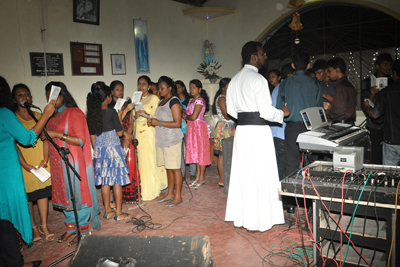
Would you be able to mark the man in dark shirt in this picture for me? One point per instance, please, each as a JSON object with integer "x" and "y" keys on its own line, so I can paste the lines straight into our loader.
{"x": 383, "y": 64}
{"x": 343, "y": 108}
{"x": 386, "y": 103}
{"x": 297, "y": 92}
{"x": 321, "y": 73}
{"x": 278, "y": 132}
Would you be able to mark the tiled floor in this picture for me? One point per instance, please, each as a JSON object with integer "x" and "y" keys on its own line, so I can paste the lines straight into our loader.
{"x": 201, "y": 214}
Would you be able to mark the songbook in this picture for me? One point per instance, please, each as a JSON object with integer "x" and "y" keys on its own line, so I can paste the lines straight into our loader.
{"x": 137, "y": 96}
{"x": 381, "y": 82}
{"x": 55, "y": 91}
{"x": 120, "y": 103}
{"x": 41, "y": 174}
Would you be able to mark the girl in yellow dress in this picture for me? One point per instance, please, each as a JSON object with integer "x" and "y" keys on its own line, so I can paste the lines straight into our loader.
{"x": 153, "y": 179}
{"x": 30, "y": 157}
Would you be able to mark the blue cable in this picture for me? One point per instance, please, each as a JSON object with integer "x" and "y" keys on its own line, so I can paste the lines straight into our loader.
{"x": 295, "y": 191}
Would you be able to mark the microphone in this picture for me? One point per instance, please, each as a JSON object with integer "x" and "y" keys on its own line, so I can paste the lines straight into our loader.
{"x": 129, "y": 100}
{"x": 28, "y": 105}
{"x": 135, "y": 142}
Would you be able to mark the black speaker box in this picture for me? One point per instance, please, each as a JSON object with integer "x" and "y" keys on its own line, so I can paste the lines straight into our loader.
{"x": 148, "y": 251}
{"x": 227, "y": 148}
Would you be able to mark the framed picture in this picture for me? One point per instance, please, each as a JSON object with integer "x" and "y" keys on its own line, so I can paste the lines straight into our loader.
{"x": 118, "y": 64}
{"x": 87, "y": 11}
{"x": 141, "y": 46}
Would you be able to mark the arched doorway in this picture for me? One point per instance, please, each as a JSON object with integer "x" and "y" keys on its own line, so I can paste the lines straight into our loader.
{"x": 355, "y": 31}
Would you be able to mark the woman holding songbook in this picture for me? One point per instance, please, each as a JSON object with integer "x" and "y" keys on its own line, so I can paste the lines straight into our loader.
{"x": 32, "y": 157}
{"x": 153, "y": 179}
{"x": 108, "y": 155}
{"x": 14, "y": 211}
{"x": 169, "y": 139}
{"x": 68, "y": 128}
{"x": 130, "y": 191}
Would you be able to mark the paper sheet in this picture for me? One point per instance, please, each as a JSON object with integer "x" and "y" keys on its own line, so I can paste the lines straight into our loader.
{"x": 55, "y": 91}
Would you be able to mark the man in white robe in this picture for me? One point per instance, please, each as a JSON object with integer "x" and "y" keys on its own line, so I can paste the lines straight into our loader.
{"x": 253, "y": 199}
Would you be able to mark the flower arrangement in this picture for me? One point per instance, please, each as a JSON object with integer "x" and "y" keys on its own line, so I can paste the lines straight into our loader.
{"x": 209, "y": 71}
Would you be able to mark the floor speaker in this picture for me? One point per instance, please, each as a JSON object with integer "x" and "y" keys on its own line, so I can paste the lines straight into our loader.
{"x": 227, "y": 148}
{"x": 177, "y": 251}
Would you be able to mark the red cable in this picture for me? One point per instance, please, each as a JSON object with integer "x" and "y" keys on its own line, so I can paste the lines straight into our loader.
{"x": 308, "y": 223}
{"x": 333, "y": 218}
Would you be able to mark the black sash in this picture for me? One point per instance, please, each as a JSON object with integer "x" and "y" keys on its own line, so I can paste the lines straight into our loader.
{"x": 253, "y": 118}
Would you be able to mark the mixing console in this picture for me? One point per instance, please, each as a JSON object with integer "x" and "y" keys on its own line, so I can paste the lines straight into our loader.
{"x": 381, "y": 181}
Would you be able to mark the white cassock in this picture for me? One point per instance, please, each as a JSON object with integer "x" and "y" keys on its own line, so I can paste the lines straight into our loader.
{"x": 253, "y": 197}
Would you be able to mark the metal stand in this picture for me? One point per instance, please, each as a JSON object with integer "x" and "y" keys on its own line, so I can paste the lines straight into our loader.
{"x": 64, "y": 155}
{"x": 135, "y": 143}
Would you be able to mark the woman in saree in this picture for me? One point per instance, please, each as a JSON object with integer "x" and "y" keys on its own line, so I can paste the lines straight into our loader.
{"x": 68, "y": 128}
{"x": 153, "y": 179}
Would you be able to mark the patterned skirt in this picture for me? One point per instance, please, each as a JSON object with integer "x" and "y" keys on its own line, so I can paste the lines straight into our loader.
{"x": 222, "y": 130}
{"x": 109, "y": 160}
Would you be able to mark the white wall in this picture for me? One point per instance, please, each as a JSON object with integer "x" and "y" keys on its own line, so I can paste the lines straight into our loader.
{"x": 175, "y": 41}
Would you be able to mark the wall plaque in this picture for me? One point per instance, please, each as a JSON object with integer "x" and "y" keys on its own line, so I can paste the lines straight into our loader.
{"x": 54, "y": 64}
{"x": 86, "y": 59}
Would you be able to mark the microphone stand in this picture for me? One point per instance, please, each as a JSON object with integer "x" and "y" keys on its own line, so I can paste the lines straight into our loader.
{"x": 135, "y": 143}
{"x": 64, "y": 155}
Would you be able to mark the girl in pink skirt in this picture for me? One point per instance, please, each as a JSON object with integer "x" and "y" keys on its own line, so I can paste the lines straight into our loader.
{"x": 198, "y": 132}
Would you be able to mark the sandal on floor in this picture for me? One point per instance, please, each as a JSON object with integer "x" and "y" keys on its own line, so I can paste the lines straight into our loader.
{"x": 48, "y": 237}
{"x": 193, "y": 184}
{"x": 105, "y": 215}
{"x": 126, "y": 216}
{"x": 62, "y": 238}
{"x": 73, "y": 242}
{"x": 115, "y": 206}
{"x": 198, "y": 185}
{"x": 39, "y": 239}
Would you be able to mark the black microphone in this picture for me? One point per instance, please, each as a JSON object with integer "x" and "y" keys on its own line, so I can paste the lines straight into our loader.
{"x": 28, "y": 105}
{"x": 135, "y": 142}
{"x": 129, "y": 100}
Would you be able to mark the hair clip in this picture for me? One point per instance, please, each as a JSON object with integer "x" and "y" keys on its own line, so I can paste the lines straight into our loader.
{"x": 98, "y": 86}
